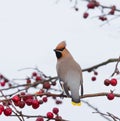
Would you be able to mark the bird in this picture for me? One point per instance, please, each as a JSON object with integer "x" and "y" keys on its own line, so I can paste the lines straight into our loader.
{"x": 69, "y": 73}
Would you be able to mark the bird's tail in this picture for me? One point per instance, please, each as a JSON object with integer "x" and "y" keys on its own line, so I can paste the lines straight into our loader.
{"x": 76, "y": 104}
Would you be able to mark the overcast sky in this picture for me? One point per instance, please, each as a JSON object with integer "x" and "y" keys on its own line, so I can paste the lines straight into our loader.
{"x": 30, "y": 30}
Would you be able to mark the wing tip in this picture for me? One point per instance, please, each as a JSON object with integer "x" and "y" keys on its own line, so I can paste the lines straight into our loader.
{"x": 76, "y": 104}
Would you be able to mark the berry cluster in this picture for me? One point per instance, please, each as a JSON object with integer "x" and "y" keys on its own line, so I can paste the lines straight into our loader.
{"x": 50, "y": 115}
{"x": 37, "y": 79}
{"x": 55, "y": 112}
{"x": 22, "y": 97}
{"x": 112, "y": 82}
{"x": 7, "y": 111}
{"x": 92, "y": 4}
{"x": 94, "y": 77}
{"x": 107, "y": 82}
{"x": 27, "y": 99}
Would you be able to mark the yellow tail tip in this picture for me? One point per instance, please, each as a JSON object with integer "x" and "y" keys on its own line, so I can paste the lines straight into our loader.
{"x": 76, "y": 104}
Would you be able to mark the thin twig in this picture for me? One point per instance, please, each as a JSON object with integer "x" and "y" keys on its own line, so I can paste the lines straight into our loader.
{"x": 116, "y": 71}
{"x": 113, "y": 116}
{"x": 97, "y": 110}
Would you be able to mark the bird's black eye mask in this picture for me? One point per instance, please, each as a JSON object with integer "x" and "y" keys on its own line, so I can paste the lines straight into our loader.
{"x": 58, "y": 52}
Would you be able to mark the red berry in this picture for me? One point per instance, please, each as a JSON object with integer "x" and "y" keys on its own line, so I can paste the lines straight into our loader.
{"x": 46, "y": 85}
{"x": 16, "y": 98}
{"x": 1, "y": 76}
{"x": 2, "y": 83}
{"x": 28, "y": 81}
{"x": 55, "y": 110}
{"x": 44, "y": 99}
{"x": 29, "y": 102}
{"x": 113, "y": 7}
{"x": 93, "y": 78}
{"x": 102, "y": 18}
{"x": 38, "y": 78}
{"x": 1, "y": 112}
{"x": 35, "y": 104}
{"x": 91, "y": 5}
{"x": 8, "y": 111}
{"x": 58, "y": 102}
{"x": 113, "y": 82}
{"x": 110, "y": 96}
{"x": 85, "y": 15}
{"x": 21, "y": 104}
{"x": 34, "y": 74}
{"x": 107, "y": 82}
{"x": 40, "y": 119}
{"x": 6, "y": 80}
{"x": 1, "y": 107}
{"x": 50, "y": 115}
{"x": 112, "y": 11}
{"x": 27, "y": 96}
{"x": 95, "y": 73}
{"x": 89, "y": 70}
{"x": 16, "y": 103}
{"x": 9, "y": 84}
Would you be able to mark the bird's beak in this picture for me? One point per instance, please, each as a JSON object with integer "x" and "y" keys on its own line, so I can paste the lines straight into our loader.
{"x": 54, "y": 50}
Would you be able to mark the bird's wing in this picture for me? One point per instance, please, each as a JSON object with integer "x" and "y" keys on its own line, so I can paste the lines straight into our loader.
{"x": 65, "y": 88}
{"x": 82, "y": 90}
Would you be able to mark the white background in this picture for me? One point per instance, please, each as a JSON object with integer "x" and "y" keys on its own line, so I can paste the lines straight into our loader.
{"x": 30, "y": 30}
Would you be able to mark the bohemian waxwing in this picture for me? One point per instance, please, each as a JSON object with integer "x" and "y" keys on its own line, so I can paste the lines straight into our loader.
{"x": 69, "y": 72}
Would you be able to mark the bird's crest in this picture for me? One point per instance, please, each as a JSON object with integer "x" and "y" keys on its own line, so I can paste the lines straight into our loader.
{"x": 61, "y": 45}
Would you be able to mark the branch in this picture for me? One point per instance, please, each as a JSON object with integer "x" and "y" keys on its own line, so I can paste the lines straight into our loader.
{"x": 48, "y": 94}
{"x": 101, "y": 64}
{"x": 106, "y": 11}
{"x": 35, "y": 116}
{"x": 109, "y": 7}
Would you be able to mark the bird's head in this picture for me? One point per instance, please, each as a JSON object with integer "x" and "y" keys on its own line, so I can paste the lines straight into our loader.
{"x": 61, "y": 50}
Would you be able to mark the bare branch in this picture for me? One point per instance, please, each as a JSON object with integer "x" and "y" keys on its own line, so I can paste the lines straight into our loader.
{"x": 48, "y": 94}
{"x": 35, "y": 116}
{"x": 115, "y": 118}
{"x": 97, "y": 110}
{"x": 112, "y": 60}
{"x": 116, "y": 71}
